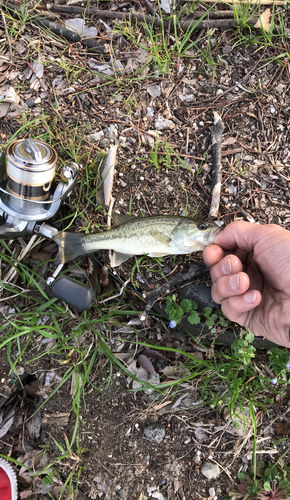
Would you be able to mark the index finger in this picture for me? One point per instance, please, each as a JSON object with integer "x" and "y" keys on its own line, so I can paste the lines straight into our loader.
{"x": 244, "y": 235}
{"x": 212, "y": 254}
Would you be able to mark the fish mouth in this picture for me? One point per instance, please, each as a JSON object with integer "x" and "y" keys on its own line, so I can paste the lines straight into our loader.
{"x": 212, "y": 233}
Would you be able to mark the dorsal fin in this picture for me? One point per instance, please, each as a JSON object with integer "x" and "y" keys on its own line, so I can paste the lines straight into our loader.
{"x": 121, "y": 218}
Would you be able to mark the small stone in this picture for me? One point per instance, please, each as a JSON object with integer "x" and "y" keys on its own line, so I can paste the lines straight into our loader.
{"x": 162, "y": 481}
{"x": 162, "y": 123}
{"x": 18, "y": 371}
{"x": 280, "y": 88}
{"x": 200, "y": 293}
{"x": 219, "y": 92}
{"x": 227, "y": 49}
{"x": 96, "y": 136}
{"x": 112, "y": 132}
{"x": 211, "y": 492}
{"x": 155, "y": 432}
{"x": 154, "y": 90}
{"x": 210, "y": 470}
{"x": 121, "y": 494}
{"x": 150, "y": 112}
{"x": 158, "y": 495}
{"x": 30, "y": 103}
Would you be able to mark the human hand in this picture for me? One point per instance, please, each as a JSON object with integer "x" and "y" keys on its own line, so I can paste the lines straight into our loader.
{"x": 250, "y": 270}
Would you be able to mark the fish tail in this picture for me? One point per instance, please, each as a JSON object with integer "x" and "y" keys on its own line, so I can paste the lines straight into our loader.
{"x": 70, "y": 246}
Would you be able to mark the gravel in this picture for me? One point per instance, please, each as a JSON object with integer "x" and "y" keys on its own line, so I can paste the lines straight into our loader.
{"x": 210, "y": 470}
{"x": 155, "y": 432}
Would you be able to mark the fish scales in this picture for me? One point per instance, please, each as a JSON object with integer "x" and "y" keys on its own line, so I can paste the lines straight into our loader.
{"x": 153, "y": 236}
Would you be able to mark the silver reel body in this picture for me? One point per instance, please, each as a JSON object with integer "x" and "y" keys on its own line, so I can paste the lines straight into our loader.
{"x": 26, "y": 184}
{"x": 28, "y": 198}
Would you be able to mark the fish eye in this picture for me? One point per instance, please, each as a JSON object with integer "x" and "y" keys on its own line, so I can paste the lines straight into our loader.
{"x": 202, "y": 226}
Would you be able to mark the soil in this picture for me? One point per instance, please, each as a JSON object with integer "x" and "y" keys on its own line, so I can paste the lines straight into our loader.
{"x": 116, "y": 459}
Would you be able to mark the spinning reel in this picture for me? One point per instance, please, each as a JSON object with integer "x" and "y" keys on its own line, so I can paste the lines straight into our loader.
{"x": 29, "y": 197}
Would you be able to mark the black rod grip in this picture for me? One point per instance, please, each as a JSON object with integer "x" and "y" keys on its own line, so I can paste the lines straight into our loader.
{"x": 73, "y": 293}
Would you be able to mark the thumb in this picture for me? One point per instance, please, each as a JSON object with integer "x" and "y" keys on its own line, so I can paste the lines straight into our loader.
{"x": 245, "y": 235}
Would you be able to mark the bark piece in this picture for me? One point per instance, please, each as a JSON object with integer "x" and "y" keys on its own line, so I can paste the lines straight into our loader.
{"x": 216, "y": 134}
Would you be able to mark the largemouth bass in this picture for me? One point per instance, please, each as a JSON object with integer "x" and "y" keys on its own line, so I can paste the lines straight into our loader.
{"x": 154, "y": 236}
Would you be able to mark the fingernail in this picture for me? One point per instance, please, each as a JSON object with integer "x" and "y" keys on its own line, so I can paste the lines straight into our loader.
{"x": 227, "y": 266}
{"x": 205, "y": 260}
{"x": 235, "y": 281}
{"x": 250, "y": 297}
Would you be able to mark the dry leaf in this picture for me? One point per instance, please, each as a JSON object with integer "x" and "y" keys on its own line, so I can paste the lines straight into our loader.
{"x": 146, "y": 364}
{"x": 26, "y": 494}
{"x": 78, "y": 25}
{"x": 8, "y": 104}
{"x": 200, "y": 434}
{"x": 6, "y": 422}
{"x": 229, "y": 141}
{"x": 264, "y": 20}
{"x": 60, "y": 419}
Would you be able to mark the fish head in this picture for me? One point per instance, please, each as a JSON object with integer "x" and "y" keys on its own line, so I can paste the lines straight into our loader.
{"x": 196, "y": 234}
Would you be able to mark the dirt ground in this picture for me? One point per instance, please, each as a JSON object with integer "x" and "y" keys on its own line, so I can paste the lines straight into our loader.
{"x": 117, "y": 460}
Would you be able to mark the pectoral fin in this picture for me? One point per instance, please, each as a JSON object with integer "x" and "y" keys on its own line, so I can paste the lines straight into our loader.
{"x": 162, "y": 238}
{"x": 118, "y": 258}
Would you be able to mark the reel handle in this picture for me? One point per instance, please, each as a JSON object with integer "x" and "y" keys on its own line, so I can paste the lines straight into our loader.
{"x": 75, "y": 294}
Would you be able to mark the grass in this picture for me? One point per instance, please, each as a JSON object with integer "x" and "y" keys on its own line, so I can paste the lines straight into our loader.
{"x": 81, "y": 346}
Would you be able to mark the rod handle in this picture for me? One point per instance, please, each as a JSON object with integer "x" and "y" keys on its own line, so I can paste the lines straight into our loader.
{"x": 75, "y": 294}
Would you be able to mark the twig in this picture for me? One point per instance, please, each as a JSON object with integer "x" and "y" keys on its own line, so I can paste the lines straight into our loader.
{"x": 201, "y": 24}
{"x": 116, "y": 294}
{"x": 150, "y": 8}
{"x": 232, "y": 151}
{"x": 216, "y": 134}
{"x": 151, "y": 297}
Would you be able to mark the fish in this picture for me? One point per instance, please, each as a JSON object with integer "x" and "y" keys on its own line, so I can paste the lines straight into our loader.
{"x": 154, "y": 236}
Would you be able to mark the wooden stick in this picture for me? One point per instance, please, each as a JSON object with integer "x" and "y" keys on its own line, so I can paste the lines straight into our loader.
{"x": 216, "y": 175}
{"x": 184, "y": 24}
